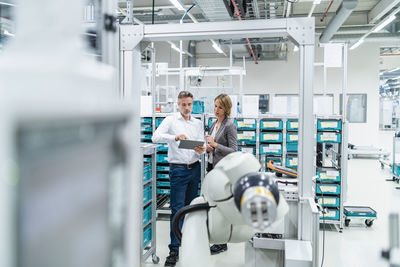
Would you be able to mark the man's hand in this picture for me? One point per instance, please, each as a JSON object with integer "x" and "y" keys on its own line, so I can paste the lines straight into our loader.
{"x": 181, "y": 137}
{"x": 199, "y": 149}
{"x": 209, "y": 148}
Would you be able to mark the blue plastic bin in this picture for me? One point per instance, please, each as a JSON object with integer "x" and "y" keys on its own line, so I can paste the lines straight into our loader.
{"x": 271, "y": 125}
{"x": 166, "y": 191}
{"x": 271, "y": 149}
{"x": 163, "y": 176}
{"x": 146, "y": 120}
{"x": 329, "y": 125}
{"x": 162, "y": 147}
{"x": 198, "y": 107}
{"x": 271, "y": 137}
{"x": 147, "y": 215}
{"x": 146, "y": 236}
{"x": 291, "y": 162}
{"x": 146, "y": 137}
{"x": 146, "y": 129}
{"x": 147, "y": 194}
{"x": 158, "y": 121}
{"x": 162, "y": 168}
{"x": 162, "y": 158}
{"x": 332, "y": 214}
{"x": 246, "y": 124}
{"x": 329, "y": 137}
{"x": 328, "y": 189}
{"x": 328, "y": 176}
{"x": 246, "y": 136}
{"x": 163, "y": 183}
{"x": 292, "y": 138}
{"x": 332, "y": 202}
{"x": 147, "y": 172}
{"x": 292, "y": 125}
{"x": 292, "y": 147}
{"x": 251, "y": 150}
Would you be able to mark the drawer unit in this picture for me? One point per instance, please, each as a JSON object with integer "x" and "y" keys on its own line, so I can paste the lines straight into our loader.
{"x": 147, "y": 212}
{"x": 273, "y": 137}
{"x": 332, "y": 214}
{"x": 328, "y": 175}
{"x": 246, "y": 124}
{"x": 328, "y": 189}
{"x": 292, "y": 125}
{"x": 271, "y": 149}
{"x": 271, "y": 125}
{"x": 147, "y": 172}
{"x": 251, "y": 150}
{"x": 162, "y": 158}
{"x": 146, "y": 137}
{"x": 333, "y": 202}
{"x": 162, "y": 168}
{"x": 158, "y": 121}
{"x": 147, "y": 194}
{"x": 292, "y": 138}
{"x": 198, "y": 107}
{"x": 163, "y": 176}
{"x": 162, "y": 147}
{"x": 327, "y": 137}
{"x": 163, "y": 183}
{"x": 291, "y": 162}
{"x": 146, "y": 120}
{"x": 146, "y": 129}
{"x": 329, "y": 125}
{"x": 163, "y": 191}
{"x": 292, "y": 147}
{"x": 146, "y": 236}
{"x": 246, "y": 136}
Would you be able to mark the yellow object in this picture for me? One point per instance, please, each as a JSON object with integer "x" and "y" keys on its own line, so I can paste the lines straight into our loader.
{"x": 329, "y": 124}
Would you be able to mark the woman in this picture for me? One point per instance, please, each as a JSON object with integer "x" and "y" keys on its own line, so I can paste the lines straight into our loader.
{"x": 221, "y": 142}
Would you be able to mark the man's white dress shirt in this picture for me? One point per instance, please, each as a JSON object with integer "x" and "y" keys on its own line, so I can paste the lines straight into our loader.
{"x": 175, "y": 125}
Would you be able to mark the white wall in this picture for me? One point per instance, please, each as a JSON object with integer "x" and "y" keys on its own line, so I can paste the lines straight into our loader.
{"x": 282, "y": 77}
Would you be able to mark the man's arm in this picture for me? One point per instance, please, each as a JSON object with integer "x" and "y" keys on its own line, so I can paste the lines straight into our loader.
{"x": 162, "y": 135}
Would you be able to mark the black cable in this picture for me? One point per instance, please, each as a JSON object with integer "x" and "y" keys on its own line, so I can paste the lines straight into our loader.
{"x": 152, "y": 14}
{"x": 181, "y": 213}
{"x": 187, "y": 11}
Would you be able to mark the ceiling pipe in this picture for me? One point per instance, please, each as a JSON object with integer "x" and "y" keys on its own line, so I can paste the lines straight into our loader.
{"x": 348, "y": 30}
{"x": 344, "y": 11}
{"x": 374, "y": 37}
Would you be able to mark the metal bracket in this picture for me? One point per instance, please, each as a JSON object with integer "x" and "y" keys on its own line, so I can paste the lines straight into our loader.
{"x": 130, "y": 36}
{"x": 301, "y": 31}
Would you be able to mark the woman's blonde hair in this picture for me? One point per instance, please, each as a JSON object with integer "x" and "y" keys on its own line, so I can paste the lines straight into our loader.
{"x": 225, "y": 102}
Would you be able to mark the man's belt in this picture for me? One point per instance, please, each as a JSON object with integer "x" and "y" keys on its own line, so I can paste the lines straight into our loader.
{"x": 182, "y": 165}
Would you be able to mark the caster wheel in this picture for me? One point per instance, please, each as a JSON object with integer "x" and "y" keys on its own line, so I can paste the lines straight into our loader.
{"x": 278, "y": 174}
{"x": 369, "y": 223}
{"x": 155, "y": 259}
{"x": 347, "y": 222}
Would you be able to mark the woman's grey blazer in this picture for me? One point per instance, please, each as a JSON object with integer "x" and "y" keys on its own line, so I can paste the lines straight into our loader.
{"x": 226, "y": 138}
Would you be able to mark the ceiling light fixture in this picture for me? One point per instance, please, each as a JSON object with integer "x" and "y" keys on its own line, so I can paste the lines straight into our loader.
{"x": 384, "y": 23}
{"x": 359, "y": 42}
{"x": 173, "y": 46}
{"x": 393, "y": 70}
{"x": 178, "y": 4}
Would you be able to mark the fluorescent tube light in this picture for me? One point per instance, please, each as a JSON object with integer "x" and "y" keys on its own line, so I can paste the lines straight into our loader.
{"x": 393, "y": 70}
{"x": 217, "y": 48}
{"x": 359, "y": 42}
{"x": 178, "y": 4}
{"x": 384, "y": 23}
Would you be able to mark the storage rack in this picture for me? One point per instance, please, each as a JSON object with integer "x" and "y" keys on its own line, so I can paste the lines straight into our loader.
{"x": 331, "y": 171}
{"x": 162, "y": 165}
{"x": 148, "y": 235}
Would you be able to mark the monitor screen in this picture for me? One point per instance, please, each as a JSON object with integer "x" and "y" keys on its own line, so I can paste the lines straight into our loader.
{"x": 63, "y": 211}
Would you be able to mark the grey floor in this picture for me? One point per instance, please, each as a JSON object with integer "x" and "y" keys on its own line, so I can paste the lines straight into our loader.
{"x": 357, "y": 245}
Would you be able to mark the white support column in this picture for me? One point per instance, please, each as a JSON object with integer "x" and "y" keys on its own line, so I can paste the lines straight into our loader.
{"x": 306, "y": 165}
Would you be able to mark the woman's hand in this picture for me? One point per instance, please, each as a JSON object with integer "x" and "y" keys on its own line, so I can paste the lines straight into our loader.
{"x": 209, "y": 148}
{"x": 211, "y": 141}
{"x": 199, "y": 149}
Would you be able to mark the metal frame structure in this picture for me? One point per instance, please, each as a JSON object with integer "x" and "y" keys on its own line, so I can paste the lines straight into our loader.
{"x": 299, "y": 30}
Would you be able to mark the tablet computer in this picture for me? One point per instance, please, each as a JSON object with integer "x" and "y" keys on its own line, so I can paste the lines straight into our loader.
{"x": 190, "y": 144}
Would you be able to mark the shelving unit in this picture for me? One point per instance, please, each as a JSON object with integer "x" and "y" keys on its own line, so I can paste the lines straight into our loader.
{"x": 331, "y": 171}
{"x": 148, "y": 236}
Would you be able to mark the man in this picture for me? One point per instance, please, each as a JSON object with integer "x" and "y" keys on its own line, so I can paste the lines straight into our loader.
{"x": 184, "y": 164}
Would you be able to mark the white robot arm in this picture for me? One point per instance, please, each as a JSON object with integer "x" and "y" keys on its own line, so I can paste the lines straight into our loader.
{"x": 236, "y": 201}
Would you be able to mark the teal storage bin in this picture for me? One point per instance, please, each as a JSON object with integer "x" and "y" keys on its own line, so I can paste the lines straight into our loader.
{"x": 292, "y": 147}
{"x": 146, "y": 129}
{"x": 147, "y": 159}
{"x": 146, "y": 120}
{"x": 246, "y": 136}
{"x": 158, "y": 121}
{"x": 147, "y": 214}
{"x": 198, "y": 107}
{"x": 147, "y": 194}
{"x": 146, "y": 137}
{"x": 165, "y": 191}
{"x": 162, "y": 147}
{"x": 332, "y": 202}
{"x": 329, "y": 125}
{"x": 147, "y": 172}
{"x": 291, "y": 162}
{"x": 271, "y": 137}
{"x": 271, "y": 125}
{"x": 162, "y": 168}
{"x": 292, "y": 125}
{"x": 251, "y": 150}
{"x": 163, "y": 176}
{"x": 271, "y": 149}
{"x": 328, "y": 175}
{"x": 328, "y": 189}
{"x": 210, "y": 122}
{"x": 146, "y": 236}
{"x": 246, "y": 124}
{"x": 162, "y": 158}
{"x": 292, "y": 138}
{"x": 329, "y": 137}
{"x": 163, "y": 183}
{"x": 332, "y": 214}
{"x": 396, "y": 170}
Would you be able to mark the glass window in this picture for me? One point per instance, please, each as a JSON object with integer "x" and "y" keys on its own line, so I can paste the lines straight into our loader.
{"x": 323, "y": 104}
